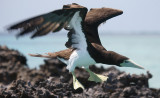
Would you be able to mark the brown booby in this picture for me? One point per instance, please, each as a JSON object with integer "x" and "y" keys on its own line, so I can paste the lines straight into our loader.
{"x": 84, "y": 45}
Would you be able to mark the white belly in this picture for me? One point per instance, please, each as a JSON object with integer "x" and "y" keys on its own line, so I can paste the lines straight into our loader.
{"x": 80, "y": 58}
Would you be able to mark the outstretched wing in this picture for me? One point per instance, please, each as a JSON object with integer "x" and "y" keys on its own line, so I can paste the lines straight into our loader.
{"x": 97, "y": 16}
{"x": 94, "y": 18}
{"x": 69, "y": 18}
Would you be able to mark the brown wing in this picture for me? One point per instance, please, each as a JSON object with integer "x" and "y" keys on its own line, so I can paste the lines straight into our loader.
{"x": 97, "y": 16}
{"x": 94, "y": 18}
{"x": 43, "y": 24}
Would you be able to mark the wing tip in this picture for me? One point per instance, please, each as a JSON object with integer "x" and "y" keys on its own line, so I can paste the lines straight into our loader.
{"x": 34, "y": 36}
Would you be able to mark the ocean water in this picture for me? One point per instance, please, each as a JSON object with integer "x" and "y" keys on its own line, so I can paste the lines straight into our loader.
{"x": 143, "y": 49}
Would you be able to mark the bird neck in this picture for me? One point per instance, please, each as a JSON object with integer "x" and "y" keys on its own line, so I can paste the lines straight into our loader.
{"x": 101, "y": 55}
{"x": 113, "y": 58}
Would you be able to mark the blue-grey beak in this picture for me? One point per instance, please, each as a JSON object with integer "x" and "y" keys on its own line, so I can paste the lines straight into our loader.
{"x": 130, "y": 63}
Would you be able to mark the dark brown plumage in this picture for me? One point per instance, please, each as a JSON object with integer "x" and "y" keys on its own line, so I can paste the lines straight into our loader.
{"x": 84, "y": 44}
{"x": 93, "y": 19}
{"x": 43, "y": 24}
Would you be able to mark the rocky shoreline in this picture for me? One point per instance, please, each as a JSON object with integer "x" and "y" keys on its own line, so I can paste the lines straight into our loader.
{"x": 52, "y": 80}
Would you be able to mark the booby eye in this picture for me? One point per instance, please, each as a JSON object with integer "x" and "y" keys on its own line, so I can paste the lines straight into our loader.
{"x": 126, "y": 62}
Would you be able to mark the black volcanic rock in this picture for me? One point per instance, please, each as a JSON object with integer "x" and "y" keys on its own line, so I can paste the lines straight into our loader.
{"x": 52, "y": 80}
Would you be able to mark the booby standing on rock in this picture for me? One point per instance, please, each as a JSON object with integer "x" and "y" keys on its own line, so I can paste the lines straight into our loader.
{"x": 84, "y": 45}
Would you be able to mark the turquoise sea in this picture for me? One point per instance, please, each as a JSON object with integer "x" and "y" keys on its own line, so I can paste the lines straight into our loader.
{"x": 143, "y": 49}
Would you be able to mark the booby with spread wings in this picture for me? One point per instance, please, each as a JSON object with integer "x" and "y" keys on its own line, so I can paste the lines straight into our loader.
{"x": 84, "y": 45}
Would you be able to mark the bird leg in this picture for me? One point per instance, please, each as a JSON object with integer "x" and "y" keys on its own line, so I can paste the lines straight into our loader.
{"x": 76, "y": 83}
{"x": 96, "y": 77}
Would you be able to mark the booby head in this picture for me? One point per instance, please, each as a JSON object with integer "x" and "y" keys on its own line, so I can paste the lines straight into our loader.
{"x": 113, "y": 58}
{"x": 130, "y": 63}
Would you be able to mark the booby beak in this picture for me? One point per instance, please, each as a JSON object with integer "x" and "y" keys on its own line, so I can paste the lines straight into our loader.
{"x": 130, "y": 63}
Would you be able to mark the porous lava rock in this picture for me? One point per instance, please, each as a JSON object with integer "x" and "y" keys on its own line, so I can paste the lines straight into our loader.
{"x": 52, "y": 80}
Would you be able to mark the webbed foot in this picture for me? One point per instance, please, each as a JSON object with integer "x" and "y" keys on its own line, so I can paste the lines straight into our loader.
{"x": 96, "y": 77}
{"x": 76, "y": 83}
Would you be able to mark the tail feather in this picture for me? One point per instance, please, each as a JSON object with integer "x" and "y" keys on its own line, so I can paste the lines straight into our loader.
{"x": 65, "y": 54}
{"x": 49, "y": 55}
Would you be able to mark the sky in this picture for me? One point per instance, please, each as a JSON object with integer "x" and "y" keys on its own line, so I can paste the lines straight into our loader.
{"x": 138, "y": 16}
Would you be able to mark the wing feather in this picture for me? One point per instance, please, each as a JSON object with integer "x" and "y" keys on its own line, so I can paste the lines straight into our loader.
{"x": 94, "y": 18}
{"x": 53, "y": 22}
{"x": 28, "y": 23}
